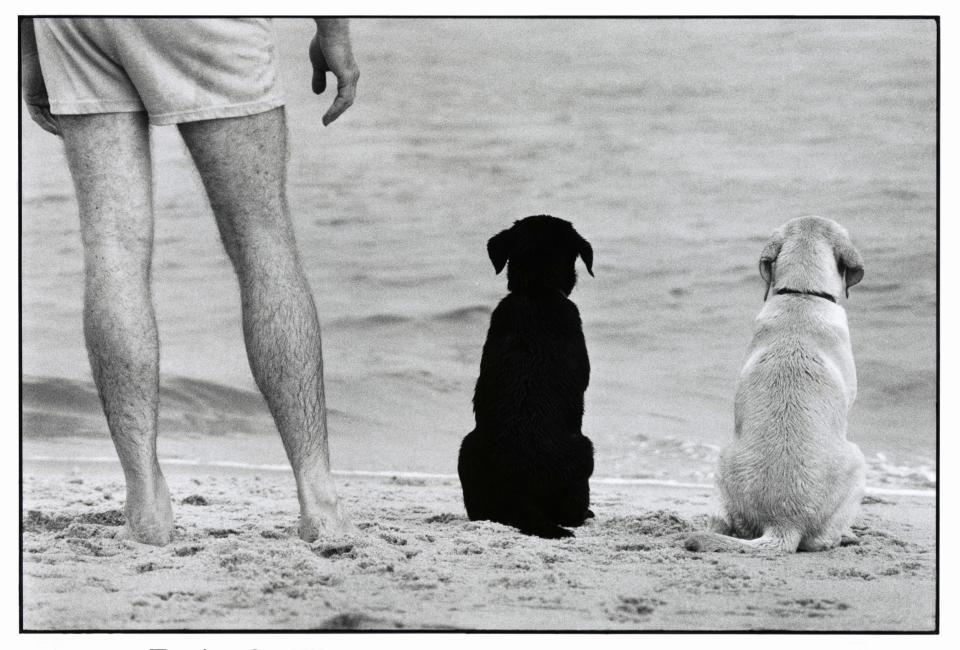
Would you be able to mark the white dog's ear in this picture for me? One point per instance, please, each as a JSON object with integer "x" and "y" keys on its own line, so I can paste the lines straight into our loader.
{"x": 849, "y": 263}
{"x": 767, "y": 257}
{"x": 499, "y": 248}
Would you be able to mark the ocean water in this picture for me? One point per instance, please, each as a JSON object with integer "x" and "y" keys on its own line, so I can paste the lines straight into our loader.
{"x": 674, "y": 146}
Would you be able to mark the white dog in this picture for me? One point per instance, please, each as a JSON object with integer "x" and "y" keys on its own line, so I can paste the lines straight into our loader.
{"x": 791, "y": 480}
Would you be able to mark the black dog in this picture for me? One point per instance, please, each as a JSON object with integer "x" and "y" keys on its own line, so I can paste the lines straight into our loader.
{"x": 526, "y": 463}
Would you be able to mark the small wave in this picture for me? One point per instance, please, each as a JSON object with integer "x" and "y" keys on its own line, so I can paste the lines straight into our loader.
{"x": 372, "y": 321}
{"x": 56, "y": 407}
{"x": 56, "y": 395}
{"x": 198, "y": 395}
{"x": 883, "y": 287}
{"x": 473, "y": 312}
{"x": 49, "y": 197}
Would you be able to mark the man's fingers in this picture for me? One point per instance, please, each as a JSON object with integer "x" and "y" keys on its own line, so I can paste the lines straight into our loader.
{"x": 320, "y": 67}
{"x": 42, "y": 116}
{"x": 319, "y": 81}
{"x": 340, "y": 104}
{"x": 346, "y": 91}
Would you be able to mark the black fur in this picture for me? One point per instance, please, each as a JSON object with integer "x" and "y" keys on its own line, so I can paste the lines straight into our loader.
{"x": 526, "y": 463}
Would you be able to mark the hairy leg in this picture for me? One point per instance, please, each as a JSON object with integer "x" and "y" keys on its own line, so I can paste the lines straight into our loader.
{"x": 109, "y": 158}
{"x": 242, "y": 162}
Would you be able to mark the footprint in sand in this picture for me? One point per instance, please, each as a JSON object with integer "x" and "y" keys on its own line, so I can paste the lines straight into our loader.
{"x": 444, "y": 518}
{"x": 851, "y": 573}
{"x": 41, "y": 522}
{"x": 634, "y": 609}
{"x": 186, "y": 551}
{"x": 358, "y": 621}
{"x": 814, "y": 607}
{"x": 93, "y": 548}
{"x": 393, "y": 539}
{"x": 335, "y": 551}
{"x": 466, "y": 547}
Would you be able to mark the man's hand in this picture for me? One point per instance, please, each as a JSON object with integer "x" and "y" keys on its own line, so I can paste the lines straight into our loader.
{"x": 330, "y": 50}
{"x": 32, "y": 88}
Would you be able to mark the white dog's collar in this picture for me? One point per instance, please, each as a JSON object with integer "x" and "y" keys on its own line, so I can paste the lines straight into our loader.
{"x": 819, "y": 294}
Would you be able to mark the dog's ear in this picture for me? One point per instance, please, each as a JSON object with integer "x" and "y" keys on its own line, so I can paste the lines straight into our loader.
{"x": 767, "y": 257}
{"x": 499, "y": 248}
{"x": 586, "y": 253}
{"x": 850, "y": 264}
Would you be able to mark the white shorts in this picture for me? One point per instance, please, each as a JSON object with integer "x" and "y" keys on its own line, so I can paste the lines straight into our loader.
{"x": 177, "y": 70}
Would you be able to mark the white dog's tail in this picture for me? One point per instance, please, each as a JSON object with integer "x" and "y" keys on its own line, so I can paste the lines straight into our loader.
{"x": 772, "y": 540}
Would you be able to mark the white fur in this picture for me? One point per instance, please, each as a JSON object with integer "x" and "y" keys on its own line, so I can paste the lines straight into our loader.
{"x": 791, "y": 479}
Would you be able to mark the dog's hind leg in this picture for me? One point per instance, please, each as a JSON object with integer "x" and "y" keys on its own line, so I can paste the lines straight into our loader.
{"x": 531, "y": 520}
{"x": 479, "y": 495}
{"x": 836, "y": 528}
{"x": 569, "y": 506}
{"x": 569, "y": 503}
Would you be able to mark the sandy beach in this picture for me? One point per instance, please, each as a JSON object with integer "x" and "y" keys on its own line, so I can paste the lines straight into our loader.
{"x": 417, "y": 562}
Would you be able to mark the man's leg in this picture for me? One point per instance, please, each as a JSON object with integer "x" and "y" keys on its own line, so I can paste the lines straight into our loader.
{"x": 109, "y": 158}
{"x": 242, "y": 162}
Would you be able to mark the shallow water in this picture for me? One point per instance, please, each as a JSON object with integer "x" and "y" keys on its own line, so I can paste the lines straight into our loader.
{"x": 675, "y": 147}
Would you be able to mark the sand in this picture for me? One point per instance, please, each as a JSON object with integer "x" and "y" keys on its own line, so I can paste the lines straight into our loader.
{"x": 417, "y": 562}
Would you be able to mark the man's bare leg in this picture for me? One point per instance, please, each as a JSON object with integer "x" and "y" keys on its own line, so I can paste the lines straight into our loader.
{"x": 109, "y": 158}
{"x": 242, "y": 162}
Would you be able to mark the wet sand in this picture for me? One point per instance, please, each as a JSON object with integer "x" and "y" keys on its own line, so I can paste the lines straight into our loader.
{"x": 417, "y": 562}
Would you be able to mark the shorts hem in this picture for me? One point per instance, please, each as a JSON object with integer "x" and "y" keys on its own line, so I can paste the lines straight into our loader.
{"x": 217, "y": 112}
{"x": 87, "y": 108}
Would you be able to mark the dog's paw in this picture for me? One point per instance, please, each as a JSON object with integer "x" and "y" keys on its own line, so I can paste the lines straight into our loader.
{"x": 554, "y": 532}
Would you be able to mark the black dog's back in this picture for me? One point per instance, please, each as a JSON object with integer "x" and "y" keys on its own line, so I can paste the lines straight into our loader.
{"x": 527, "y": 463}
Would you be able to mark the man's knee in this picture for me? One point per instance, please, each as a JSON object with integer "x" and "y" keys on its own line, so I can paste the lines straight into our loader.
{"x": 259, "y": 243}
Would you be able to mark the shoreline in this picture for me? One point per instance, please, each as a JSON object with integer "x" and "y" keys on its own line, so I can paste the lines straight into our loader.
{"x": 929, "y": 493}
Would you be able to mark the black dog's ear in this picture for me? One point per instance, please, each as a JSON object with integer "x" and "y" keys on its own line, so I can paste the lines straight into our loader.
{"x": 767, "y": 257}
{"x": 586, "y": 254}
{"x": 499, "y": 248}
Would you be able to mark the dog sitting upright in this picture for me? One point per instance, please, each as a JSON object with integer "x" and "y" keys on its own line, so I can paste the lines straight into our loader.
{"x": 526, "y": 463}
{"x": 791, "y": 480}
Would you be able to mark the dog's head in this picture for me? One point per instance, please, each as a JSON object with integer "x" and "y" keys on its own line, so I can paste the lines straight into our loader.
{"x": 542, "y": 252}
{"x": 811, "y": 254}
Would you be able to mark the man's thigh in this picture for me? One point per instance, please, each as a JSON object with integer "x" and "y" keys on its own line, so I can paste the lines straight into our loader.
{"x": 242, "y": 162}
{"x": 109, "y": 159}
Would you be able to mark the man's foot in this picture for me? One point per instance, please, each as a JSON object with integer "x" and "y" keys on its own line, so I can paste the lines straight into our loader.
{"x": 320, "y": 512}
{"x": 328, "y": 521}
{"x": 149, "y": 514}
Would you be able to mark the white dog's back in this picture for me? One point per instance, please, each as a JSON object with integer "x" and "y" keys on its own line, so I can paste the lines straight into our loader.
{"x": 791, "y": 407}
